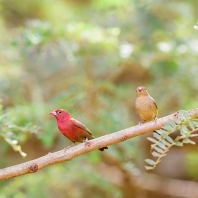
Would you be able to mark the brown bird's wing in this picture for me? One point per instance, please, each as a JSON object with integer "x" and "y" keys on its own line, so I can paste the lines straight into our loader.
{"x": 155, "y": 103}
{"x": 80, "y": 125}
{"x": 155, "y": 106}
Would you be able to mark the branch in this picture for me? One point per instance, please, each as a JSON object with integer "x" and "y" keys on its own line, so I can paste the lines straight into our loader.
{"x": 106, "y": 140}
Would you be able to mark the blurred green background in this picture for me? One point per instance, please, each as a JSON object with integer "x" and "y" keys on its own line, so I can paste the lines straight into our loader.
{"x": 88, "y": 57}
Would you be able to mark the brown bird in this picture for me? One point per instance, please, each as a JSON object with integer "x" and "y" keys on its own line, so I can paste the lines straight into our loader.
{"x": 145, "y": 105}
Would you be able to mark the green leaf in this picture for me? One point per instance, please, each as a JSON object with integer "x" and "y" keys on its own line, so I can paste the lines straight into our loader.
{"x": 165, "y": 142}
{"x": 191, "y": 142}
{"x": 183, "y": 129}
{"x": 188, "y": 141}
{"x": 193, "y": 135}
{"x": 191, "y": 124}
{"x": 22, "y": 153}
{"x": 181, "y": 117}
{"x": 172, "y": 124}
{"x": 185, "y": 114}
{"x": 178, "y": 144}
{"x": 156, "y": 135}
{"x": 168, "y": 138}
{"x": 161, "y": 145}
{"x": 195, "y": 123}
{"x": 157, "y": 149}
{"x": 182, "y": 132}
{"x": 161, "y": 131}
{"x": 156, "y": 154}
{"x": 149, "y": 161}
{"x": 152, "y": 140}
{"x": 177, "y": 121}
{"x": 148, "y": 167}
{"x": 168, "y": 127}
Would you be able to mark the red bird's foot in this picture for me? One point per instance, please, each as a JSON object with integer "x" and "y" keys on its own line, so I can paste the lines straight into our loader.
{"x": 69, "y": 147}
{"x": 87, "y": 143}
{"x": 155, "y": 120}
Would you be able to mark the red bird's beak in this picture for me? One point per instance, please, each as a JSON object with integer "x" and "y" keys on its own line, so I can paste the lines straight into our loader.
{"x": 53, "y": 113}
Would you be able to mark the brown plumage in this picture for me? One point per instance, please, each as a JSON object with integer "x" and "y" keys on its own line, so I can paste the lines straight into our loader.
{"x": 145, "y": 105}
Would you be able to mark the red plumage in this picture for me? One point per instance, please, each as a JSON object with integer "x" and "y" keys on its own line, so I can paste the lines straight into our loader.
{"x": 72, "y": 128}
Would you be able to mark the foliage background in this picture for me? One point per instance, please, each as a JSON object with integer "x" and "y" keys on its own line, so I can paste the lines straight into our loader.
{"x": 88, "y": 57}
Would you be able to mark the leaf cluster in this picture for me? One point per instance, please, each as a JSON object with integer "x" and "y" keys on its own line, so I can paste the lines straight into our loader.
{"x": 9, "y": 129}
{"x": 162, "y": 140}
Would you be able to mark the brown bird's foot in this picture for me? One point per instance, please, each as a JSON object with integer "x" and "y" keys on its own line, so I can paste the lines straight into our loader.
{"x": 141, "y": 122}
{"x": 87, "y": 143}
{"x": 155, "y": 120}
{"x": 69, "y": 146}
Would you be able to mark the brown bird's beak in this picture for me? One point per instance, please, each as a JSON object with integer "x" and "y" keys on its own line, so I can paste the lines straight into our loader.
{"x": 53, "y": 113}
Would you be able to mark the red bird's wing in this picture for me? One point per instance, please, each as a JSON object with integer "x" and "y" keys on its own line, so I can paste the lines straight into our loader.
{"x": 80, "y": 125}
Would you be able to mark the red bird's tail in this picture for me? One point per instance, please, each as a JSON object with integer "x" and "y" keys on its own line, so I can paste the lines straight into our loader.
{"x": 102, "y": 149}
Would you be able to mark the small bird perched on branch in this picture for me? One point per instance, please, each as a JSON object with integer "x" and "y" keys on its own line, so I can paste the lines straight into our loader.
{"x": 145, "y": 105}
{"x": 72, "y": 128}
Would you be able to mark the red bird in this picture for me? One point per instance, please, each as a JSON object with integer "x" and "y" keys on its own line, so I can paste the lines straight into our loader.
{"x": 72, "y": 128}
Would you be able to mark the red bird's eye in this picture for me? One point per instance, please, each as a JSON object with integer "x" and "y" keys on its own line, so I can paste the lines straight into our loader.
{"x": 59, "y": 112}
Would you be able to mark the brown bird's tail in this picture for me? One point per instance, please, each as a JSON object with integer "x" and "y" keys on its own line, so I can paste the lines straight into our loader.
{"x": 102, "y": 149}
